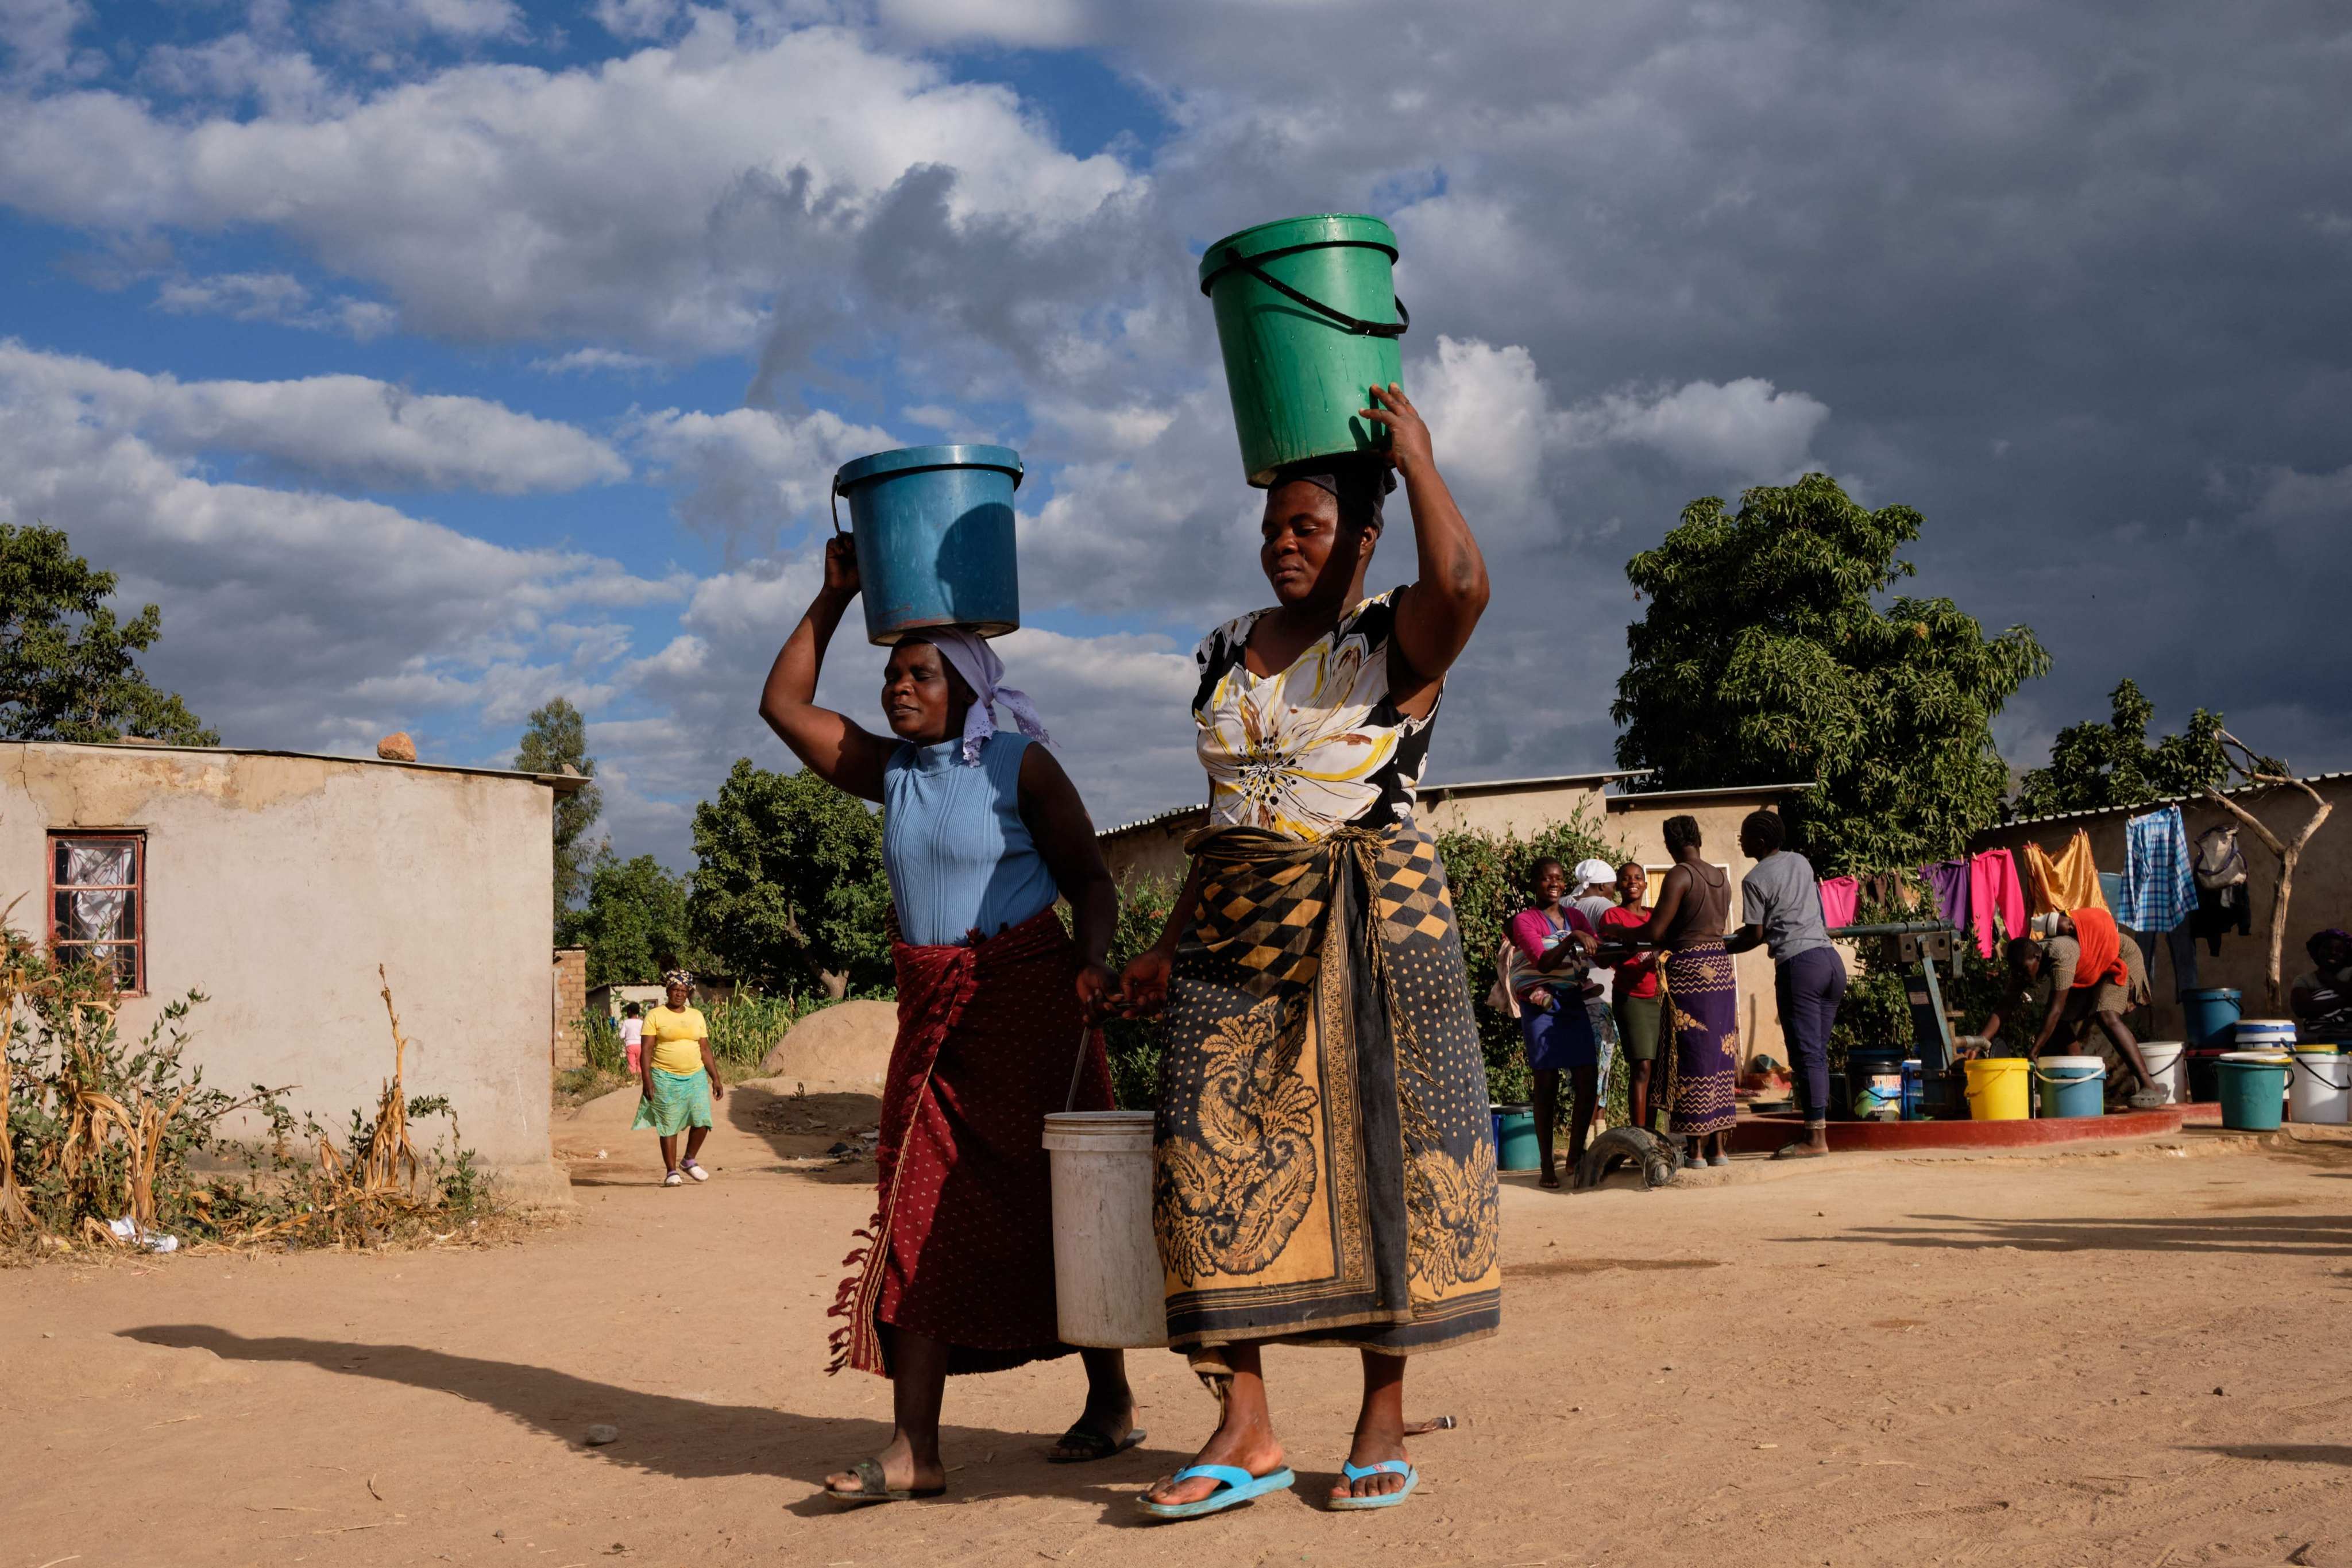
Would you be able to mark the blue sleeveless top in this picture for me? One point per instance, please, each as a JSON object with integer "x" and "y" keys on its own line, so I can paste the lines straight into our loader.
{"x": 958, "y": 856}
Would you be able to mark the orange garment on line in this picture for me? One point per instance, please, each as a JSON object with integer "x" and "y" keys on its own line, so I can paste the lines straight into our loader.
{"x": 2102, "y": 959}
{"x": 2067, "y": 883}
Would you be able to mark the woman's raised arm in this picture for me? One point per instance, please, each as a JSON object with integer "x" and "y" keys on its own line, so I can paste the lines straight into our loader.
{"x": 1435, "y": 614}
{"x": 827, "y": 744}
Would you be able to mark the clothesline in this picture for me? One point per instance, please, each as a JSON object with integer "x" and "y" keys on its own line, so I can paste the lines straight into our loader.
{"x": 1985, "y": 895}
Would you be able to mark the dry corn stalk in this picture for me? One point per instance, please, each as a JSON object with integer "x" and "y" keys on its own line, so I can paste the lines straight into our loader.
{"x": 392, "y": 1162}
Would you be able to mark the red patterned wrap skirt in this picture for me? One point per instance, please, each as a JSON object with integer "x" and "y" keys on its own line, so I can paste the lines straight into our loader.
{"x": 961, "y": 1248}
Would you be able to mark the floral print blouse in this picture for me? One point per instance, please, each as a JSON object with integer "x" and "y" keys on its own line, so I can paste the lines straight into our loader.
{"x": 1311, "y": 747}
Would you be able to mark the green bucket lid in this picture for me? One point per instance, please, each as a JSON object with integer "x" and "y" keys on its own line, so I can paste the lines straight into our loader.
{"x": 1286, "y": 235}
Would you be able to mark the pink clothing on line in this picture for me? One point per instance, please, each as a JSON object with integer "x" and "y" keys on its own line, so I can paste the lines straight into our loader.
{"x": 1839, "y": 897}
{"x": 1993, "y": 885}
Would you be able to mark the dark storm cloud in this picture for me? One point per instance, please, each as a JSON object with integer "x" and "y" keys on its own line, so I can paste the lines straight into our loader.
{"x": 2073, "y": 280}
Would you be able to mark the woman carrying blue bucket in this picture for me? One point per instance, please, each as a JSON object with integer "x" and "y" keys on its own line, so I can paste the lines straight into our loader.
{"x": 1326, "y": 1163}
{"x": 996, "y": 1004}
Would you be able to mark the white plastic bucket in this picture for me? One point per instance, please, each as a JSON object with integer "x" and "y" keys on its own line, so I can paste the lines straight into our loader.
{"x": 2168, "y": 1064}
{"x": 2264, "y": 1035}
{"x": 2319, "y": 1088}
{"x": 1108, "y": 1289}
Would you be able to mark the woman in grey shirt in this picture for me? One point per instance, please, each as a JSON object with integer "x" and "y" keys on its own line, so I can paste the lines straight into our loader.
{"x": 1781, "y": 902}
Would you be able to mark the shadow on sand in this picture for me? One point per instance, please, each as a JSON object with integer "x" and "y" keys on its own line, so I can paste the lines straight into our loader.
{"x": 695, "y": 1440}
{"x": 2282, "y": 1236}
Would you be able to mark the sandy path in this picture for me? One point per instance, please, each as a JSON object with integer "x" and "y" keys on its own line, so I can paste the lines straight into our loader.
{"x": 1989, "y": 1361}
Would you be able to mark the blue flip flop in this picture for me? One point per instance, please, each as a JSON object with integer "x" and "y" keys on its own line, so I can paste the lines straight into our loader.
{"x": 1381, "y": 1500}
{"x": 1234, "y": 1486}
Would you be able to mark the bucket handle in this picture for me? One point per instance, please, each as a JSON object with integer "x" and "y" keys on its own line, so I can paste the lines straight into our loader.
{"x": 1354, "y": 324}
{"x": 1079, "y": 1068}
{"x": 836, "y": 503}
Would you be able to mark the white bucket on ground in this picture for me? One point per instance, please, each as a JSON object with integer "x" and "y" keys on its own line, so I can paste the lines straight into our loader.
{"x": 1108, "y": 1289}
{"x": 2167, "y": 1063}
{"x": 2319, "y": 1088}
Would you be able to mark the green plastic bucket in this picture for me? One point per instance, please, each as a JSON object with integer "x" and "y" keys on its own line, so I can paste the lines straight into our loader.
{"x": 2251, "y": 1094}
{"x": 1308, "y": 319}
{"x": 1515, "y": 1148}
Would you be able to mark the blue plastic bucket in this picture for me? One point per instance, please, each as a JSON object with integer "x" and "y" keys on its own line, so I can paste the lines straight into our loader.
{"x": 934, "y": 531}
{"x": 2071, "y": 1086}
{"x": 2210, "y": 1016}
{"x": 1515, "y": 1148}
{"x": 1914, "y": 1082}
{"x": 2252, "y": 1094}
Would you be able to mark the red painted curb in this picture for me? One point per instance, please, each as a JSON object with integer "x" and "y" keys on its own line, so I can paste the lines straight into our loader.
{"x": 1763, "y": 1134}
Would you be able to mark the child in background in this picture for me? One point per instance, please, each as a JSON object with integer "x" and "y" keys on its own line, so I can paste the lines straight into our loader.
{"x": 633, "y": 1038}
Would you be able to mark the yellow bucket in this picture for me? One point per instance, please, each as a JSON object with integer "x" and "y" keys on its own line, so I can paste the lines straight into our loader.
{"x": 1997, "y": 1087}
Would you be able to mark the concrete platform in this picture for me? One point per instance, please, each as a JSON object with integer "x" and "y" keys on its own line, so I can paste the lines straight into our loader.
{"x": 1763, "y": 1134}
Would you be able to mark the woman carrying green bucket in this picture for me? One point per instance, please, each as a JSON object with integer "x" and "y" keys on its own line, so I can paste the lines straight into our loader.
{"x": 1325, "y": 1161}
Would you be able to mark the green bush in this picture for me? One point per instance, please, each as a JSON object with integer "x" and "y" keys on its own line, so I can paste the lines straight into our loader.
{"x": 1143, "y": 906}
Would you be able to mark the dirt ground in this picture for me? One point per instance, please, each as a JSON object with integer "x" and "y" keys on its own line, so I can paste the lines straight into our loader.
{"x": 2122, "y": 1357}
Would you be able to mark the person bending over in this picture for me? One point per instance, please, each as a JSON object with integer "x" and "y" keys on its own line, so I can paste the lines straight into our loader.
{"x": 2093, "y": 975}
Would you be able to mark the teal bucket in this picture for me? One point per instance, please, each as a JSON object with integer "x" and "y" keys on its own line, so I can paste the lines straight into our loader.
{"x": 934, "y": 531}
{"x": 2071, "y": 1086}
{"x": 1307, "y": 318}
{"x": 2209, "y": 1016}
{"x": 2251, "y": 1094}
{"x": 1515, "y": 1148}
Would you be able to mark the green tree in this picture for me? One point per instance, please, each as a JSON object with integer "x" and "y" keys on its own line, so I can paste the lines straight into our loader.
{"x": 555, "y": 738}
{"x": 1764, "y": 658}
{"x": 67, "y": 666}
{"x": 788, "y": 883}
{"x": 633, "y": 924}
{"x": 2093, "y": 765}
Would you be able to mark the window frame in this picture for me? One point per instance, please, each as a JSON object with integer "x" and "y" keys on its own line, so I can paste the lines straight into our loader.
{"x": 137, "y": 838}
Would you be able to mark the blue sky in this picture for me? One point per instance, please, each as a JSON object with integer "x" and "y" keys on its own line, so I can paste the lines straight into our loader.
{"x": 428, "y": 358}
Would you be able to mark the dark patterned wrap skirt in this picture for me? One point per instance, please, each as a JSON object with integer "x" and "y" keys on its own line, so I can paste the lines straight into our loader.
{"x": 1325, "y": 1155}
{"x": 961, "y": 1244}
{"x": 1702, "y": 1015}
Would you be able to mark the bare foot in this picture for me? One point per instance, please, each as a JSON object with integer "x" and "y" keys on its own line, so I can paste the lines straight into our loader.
{"x": 1250, "y": 1446}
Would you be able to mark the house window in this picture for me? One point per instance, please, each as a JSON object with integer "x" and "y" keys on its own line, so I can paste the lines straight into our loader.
{"x": 98, "y": 902}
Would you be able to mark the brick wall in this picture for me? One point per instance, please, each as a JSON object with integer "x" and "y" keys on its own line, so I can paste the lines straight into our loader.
{"x": 570, "y": 1002}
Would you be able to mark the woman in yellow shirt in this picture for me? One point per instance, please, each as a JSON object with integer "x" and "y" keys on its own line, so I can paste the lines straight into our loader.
{"x": 679, "y": 1079}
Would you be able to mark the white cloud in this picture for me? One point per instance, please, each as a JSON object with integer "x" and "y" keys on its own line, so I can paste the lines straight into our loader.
{"x": 592, "y": 361}
{"x": 236, "y": 65}
{"x": 293, "y": 617}
{"x": 345, "y": 429}
{"x": 639, "y": 18}
{"x": 278, "y": 297}
{"x": 657, "y": 199}
{"x": 748, "y": 475}
{"x": 39, "y": 36}
{"x": 1022, "y": 24}
{"x": 1746, "y": 428}
{"x": 356, "y": 24}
